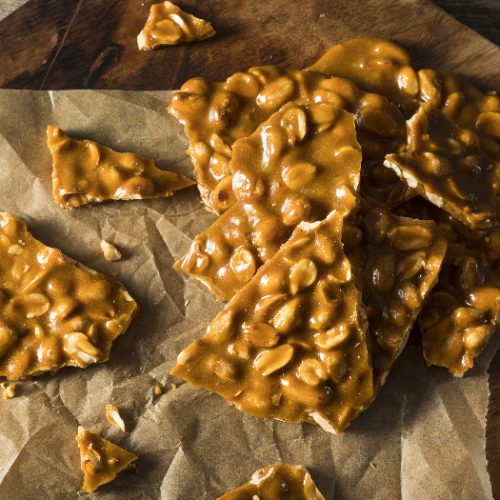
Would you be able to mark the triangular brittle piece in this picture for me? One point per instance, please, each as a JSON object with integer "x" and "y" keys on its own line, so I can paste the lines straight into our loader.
{"x": 402, "y": 258}
{"x": 86, "y": 172}
{"x": 101, "y": 461}
{"x": 167, "y": 24}
{"x": 299, "y": 165}
{"x": 445, "y": 164}
{"x": 216, "y": 114}
{"x": 53, "y": 312}
{"x": 277, "y": 482}
{"x": 291, "y": 343}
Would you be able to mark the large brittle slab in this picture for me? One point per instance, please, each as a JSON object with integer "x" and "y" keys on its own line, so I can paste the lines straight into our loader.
{"x": 279, "y": 481}
{"x": 217, "y": 114}
{"x": 168, "y": 24}
{"x": 299, "y": 165}
{"x": 53, "y": 313}
{"x": 86, "y": 172}
{"x": 100, "y": 460}
{"x": 401, "y": 260}
{"x": 291, "y": 344}
{"x": 445, "y": 164}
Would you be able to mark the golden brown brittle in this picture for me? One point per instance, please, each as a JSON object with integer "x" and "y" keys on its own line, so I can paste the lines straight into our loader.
{"x": 54, "y": 313}
{"x": 86, "y": 172}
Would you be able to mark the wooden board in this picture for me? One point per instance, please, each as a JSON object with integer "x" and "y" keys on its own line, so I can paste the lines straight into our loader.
{"x": 59, "y": 44}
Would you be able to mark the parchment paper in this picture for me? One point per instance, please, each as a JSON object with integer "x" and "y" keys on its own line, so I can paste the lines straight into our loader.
{"x": 423, "y": 438}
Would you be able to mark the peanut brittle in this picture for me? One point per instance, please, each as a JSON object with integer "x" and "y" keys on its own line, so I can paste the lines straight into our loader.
{"x": 100, "y": 460}
{"x": 53, "y": 312}
{"x": 445, "y": 164}
{"x": 168, "y": 24}
{"x": 463, "y": 104}
{"x": 217, "y": 114}
{"x": 86, "y": 172}
{"x": 401, "y": 261}
{"x": 277, "y": 482}
{"x": 463, "y": 310}
{"x": 291, "y": 343}
{"x": 374, "y": 64}
{"x": 299, "y": 165}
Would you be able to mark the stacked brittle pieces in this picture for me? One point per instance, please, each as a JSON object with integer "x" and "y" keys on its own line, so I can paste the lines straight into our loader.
{"x": 354, "y": 198}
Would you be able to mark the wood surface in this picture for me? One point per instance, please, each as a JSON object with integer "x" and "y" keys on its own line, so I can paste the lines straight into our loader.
{"x": 60, "y": 44}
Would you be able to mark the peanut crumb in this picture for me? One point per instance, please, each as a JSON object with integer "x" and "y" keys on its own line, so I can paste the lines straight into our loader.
{"x": 9, "y": 391}
{"x": 173, "y": 386}
{"x": 114, "y": 418}
{"x": 110, "y": 252}
{"x": 158, "y": 390}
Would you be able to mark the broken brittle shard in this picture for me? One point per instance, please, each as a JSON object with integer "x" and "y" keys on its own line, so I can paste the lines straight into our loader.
{"x": 279, "y": 481}
{"x": 86, "y": 172}
{"x": 100, "y": 460}
{"x": 53, "y": 312}
{"x": 445, "y": 164}
{"x": 291, "y": 344}
{"x": 168, "y": 24}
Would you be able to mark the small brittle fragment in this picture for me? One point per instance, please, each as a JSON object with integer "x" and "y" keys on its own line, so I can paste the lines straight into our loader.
{"x": 100, "y": 460}
{"x": 86, "y": 172}
{"x": 53, "y": 312}
{"x": 168, "y": 24}
{"x": 275, "y": 481}
{"x": 445, "y": 164}
{"x": 265, "y": 352}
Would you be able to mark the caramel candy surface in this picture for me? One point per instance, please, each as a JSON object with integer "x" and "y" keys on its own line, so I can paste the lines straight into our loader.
{"x": 100, "y": 460}
{"x": 401, "y": 259}
{"x": 86, "y": 172}
{"x": 277, "y": 482}
{"x": 376, "y": 65}
{"x": 445, "y": 164}
{"x": 299, "y": 165}
{"x": 53, "y": 313}
{"x": 168, "y": 24}
{"x": 215, "y": 115}
{"x": 291, "y": 344}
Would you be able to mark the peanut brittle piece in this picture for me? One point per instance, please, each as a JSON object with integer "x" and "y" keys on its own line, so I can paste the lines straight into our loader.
{"x": 215, "y": 115}
{"x": 291, "y": 344}
{"x": 299, "y": 165}
{"x": 86, "y": 172}
{"x": 168, "y": 24}
{"x": 100, "y": 460}
{"x": 277, "y": 482}
{"x": 223, "y": 256}
{"x": 401, "y": 261}
{"x": 445, "y": 164}
{"x": 464, "y": 105}
{"x": 53, "y": 312}
{"x": 374, "y": 64}
{"x": 462, "y": 312}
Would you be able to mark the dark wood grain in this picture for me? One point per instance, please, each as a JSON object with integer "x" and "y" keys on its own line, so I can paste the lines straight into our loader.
{"x": 60, "y": 44}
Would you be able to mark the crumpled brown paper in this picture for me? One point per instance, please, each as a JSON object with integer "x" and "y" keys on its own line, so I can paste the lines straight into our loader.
{"x": 424, "y": 437}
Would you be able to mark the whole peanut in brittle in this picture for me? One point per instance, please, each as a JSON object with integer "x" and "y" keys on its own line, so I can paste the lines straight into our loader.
{"x": 445, "y": 164}
{"x": 291, "y": 344}
{"x": 53, "y": 312}
{"x": 167, "y": 24}
{"x": 86, "y": 172}
{"x": 217, "y": 114}
{"x": 280, "y": 481}
{"x": 299, "y": 165}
